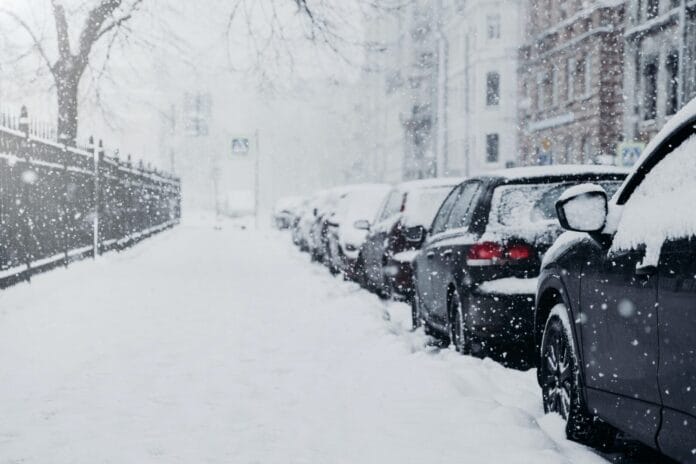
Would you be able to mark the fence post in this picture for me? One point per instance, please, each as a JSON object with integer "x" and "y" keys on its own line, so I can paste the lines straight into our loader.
{"x": 95, "y": 196}
{"x": 67, "y": 213}
{"x": 25, "y": 153}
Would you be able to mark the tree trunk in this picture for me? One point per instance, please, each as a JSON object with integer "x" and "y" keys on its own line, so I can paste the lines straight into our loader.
{"x": 66, "y": 90}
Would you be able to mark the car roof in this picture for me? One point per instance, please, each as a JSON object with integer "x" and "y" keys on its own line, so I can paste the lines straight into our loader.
{"x": 566, "y": 170}
{"x": 430, "y": 183}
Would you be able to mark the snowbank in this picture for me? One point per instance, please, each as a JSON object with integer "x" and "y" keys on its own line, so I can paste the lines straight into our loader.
{"x": 238, "y": 350}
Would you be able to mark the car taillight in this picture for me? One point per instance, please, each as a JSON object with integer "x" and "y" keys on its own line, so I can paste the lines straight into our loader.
{"x": 519, "y": 251}
{"x": 489, "y": 253}
{"x": 484, "y": 254}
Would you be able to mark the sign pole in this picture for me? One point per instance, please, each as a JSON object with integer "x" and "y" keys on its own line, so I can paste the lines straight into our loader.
{"x": 257, "y": 180}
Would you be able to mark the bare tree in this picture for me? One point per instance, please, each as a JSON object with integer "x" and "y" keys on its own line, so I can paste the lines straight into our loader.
{"x": 67, "y": 66}
{"x": 67, "y": 54}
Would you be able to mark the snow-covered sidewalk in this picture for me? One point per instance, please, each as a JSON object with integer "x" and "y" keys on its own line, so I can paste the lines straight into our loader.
{"x": 227, "y": 346}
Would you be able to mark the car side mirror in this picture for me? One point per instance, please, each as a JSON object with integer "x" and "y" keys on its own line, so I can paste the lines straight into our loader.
{"x": 415, "y": 234}
{"x": 362, "y": 224}
{"x": 583, "y": 208}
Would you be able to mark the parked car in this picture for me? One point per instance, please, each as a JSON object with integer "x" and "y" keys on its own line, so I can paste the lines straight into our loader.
{"x": 475, "y": 278}
{"x": 348, "y": 227}
{"x": 615, "y": 314}
{"x": 324, "y": 211}
{"x": 303, "y": 210}
{"x": 285, "y": 211}
{"x": 397, "y": 234}
{"x": 303, "y": 227}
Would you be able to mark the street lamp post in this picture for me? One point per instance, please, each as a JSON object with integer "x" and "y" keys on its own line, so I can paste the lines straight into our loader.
{"x": 257, "y": 180}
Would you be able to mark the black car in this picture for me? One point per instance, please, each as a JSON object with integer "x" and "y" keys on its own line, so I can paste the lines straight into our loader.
{"x": 475, "y": 278}
{"x": 616, "y": 304}
{"x": 392, "y": 241}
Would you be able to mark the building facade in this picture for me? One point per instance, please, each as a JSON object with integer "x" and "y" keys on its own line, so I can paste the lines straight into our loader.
{"x": 571, "y": 82}
{"x": 398, "y": 81}
{"x": 482, "y": 38}
{"x": 660, "y": 74}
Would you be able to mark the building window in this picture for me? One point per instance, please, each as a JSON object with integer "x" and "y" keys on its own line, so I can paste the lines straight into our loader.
{"x": 540, "y": 80}
{"x": 492, "y": 148}
{"x": 650, "y": 89}
{"x": 580, "y": 74}
{"x": 588, "y": 75}
{"x": 570, "y": 79}
{"x": 568, "y": 150}
{"x": 672, "y": 66}
{"x": 652, "y": 8}
{"x": 493, "y": 26}
{"x": 586, "y": 149}
{"x": 492, "y": 89}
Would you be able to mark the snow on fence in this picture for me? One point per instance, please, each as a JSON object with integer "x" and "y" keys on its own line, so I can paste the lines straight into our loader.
{"x": 60, "y": 203}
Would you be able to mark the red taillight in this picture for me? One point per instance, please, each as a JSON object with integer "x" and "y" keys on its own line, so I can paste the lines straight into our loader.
{"x": 486, "y": 251}
{"x": 518, "y": 251}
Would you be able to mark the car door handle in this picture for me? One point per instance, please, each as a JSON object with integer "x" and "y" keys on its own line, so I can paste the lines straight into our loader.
{"x": 430, "y": 254}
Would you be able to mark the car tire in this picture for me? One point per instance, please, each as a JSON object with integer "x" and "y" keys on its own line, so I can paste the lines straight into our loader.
{"x": 562, "y": 387}
{"x": 458, "y": 334}
{"x": 333, "y": 268}
{"x": 416, "y": 315}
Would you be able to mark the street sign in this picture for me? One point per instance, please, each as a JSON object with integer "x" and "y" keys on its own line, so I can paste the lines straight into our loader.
{"x": 629, "y": 152}
{"x": 240, "y": 146}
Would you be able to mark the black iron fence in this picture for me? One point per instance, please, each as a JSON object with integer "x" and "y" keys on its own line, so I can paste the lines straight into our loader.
{"x": 60, "y": 203}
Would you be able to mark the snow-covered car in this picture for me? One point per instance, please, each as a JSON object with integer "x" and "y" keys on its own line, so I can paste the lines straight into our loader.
{"x": 616, "y": 303}
{"x": 398, "y": 233}
{"x": 326, "y": 206}
{"x": 349, "y": 226}
{"x": 475, "y": 278}
{"x": 302, "y": 231}
{"x": 285, "y": 212}
{"x": 302, "y": 211}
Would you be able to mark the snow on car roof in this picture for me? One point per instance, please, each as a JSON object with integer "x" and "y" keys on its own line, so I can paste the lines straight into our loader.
{"x": 430, "y": 183}
{"x": 556, "y": 170}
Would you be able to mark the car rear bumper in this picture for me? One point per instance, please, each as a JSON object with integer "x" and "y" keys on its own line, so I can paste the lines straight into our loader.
{"x": 503, "y": 317}
{"x": 399, "y": 277}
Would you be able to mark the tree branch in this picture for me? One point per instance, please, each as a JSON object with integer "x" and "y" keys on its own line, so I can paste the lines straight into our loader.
{"x": 93, "y": 27}
{"x": 61, "y": 31}
{"x": 37, "y": 43}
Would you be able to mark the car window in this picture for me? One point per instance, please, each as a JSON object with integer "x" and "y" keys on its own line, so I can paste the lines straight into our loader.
{"x": 461, "y": 212}
{"x": 443, "y": 214}
{"x": 661, "y": 206}
{"x": 526, "y": 205}
{"x": 422, "y": 205}
{"x": 392, "y": 206}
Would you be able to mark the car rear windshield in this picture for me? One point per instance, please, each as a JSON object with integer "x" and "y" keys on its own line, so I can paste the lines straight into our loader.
{"x": 361, "y": 205}
{"x": 422, "y": 205}
{"x": 530, "y": 206}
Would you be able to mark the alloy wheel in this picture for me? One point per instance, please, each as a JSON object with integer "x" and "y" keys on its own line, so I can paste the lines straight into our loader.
{"x": 557, "y": 371}
{"x": 457, "y": 327}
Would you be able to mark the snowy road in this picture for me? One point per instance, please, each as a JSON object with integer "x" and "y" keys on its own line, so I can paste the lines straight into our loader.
{"x": 204, "y": 346}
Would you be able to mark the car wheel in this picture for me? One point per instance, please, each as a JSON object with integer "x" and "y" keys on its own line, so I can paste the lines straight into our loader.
{"x": 416, "y": 315}
{"x": 333, "y": 267}
{"x": 561, "y": 385}
{"x": 458, "y": 333}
